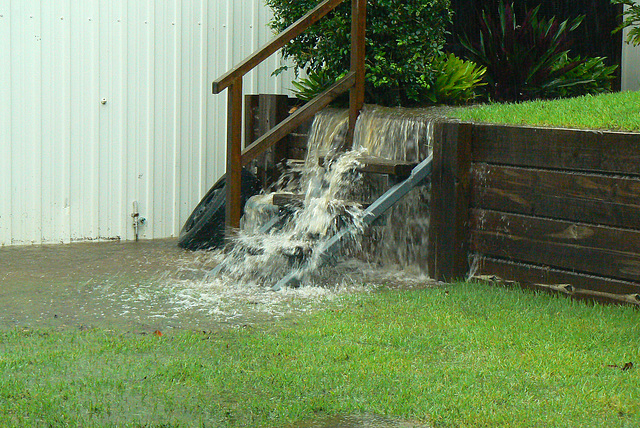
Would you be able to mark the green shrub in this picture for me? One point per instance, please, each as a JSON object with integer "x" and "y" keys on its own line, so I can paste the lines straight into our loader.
{"x": 402, "y": 37}
{"x": 631, "y": 19}
{"x": 528, "y": 60}
{"x": 591, "y": 76}
{"x": 456, "y": 80}
{"x": 314, "y": 84}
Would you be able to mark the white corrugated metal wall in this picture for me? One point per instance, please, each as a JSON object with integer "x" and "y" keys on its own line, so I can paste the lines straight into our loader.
{"x": 630, "y": 65}
{"x": 70, "y": 165}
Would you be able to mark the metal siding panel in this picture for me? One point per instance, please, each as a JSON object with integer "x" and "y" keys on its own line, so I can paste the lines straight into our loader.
{"x": 138, "y": 42}
{"x": 215, "y": 104}
{"x": 176, "y": 119}
{"x": 146, "y": 111}
{"x": 164, "y": 165}
{"x": 71, "y": 167}
{"x": 121, "y": 121}
{"x": 5, "y": 124}
{"x": 163, "y": 154}
{"x": 26, "y": 127}
{"x": 630, "y": 64}
{"x": 55, "y": 152}
{"x": 85, "y": 113}
{"x": 184, "y": 56}
{"x": 105, "y": 190}
{"x": 202, "y": 95}
{"x": 155, "y": 216}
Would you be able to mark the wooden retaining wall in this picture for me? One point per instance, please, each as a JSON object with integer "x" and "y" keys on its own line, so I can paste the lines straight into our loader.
{"x": 549, "y": 208}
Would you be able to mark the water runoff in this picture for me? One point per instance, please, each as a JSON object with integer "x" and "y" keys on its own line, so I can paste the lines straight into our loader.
{"x": 333, "y": 194}
{"x": 151, "y": 285}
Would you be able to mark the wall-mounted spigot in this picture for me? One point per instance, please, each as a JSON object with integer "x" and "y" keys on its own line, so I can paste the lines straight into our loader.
{"x": 137, "y": 220}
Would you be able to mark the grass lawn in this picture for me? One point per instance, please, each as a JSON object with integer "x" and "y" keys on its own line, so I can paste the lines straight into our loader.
{"x": 616, "y": 111}
{"x": 464, "y": 355}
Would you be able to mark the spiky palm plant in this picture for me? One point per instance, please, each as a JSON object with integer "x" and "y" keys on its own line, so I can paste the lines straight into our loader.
{"x": 522, "y": 58}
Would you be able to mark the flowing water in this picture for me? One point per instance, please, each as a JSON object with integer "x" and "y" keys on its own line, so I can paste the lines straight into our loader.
{"x": 154, "y": 285}
{"x": 149, "y": 285}
{"x": 328, "y": 191}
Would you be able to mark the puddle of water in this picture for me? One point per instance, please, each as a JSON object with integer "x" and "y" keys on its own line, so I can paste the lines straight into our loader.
{"x": 361, "y": 421}
{"x": 154, "y": 285}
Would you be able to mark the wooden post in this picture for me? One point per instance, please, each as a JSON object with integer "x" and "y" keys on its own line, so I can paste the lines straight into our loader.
{"x": 234, "y": 155}
{"x": 450, "y": 195}
{"x": 233, "y": 80}
{"x": 272, "y": 109}
{"x": 356, "y": 96}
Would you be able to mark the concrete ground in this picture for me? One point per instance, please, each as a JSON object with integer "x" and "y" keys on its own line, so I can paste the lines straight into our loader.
{"x": 154, "y": 285}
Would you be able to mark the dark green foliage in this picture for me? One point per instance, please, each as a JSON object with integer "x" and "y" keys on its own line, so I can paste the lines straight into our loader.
{"x": 402, "y": 37}
{"x": 456, "y": 80}
{"x": 590, "y": 39}
{"x": 631, "y": 19}
{"x": 314, "y": 84}
{"x": 530, "y": 59}
{"x": 455, "y": 83}
{"x": 591, "y": 76}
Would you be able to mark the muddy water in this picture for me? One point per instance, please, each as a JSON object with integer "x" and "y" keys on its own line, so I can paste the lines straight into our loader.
{"x": 154, "y": 285}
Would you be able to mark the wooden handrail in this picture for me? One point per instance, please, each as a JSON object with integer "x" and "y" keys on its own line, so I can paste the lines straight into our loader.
{"x": 293, "y": 31}
{"x": 304, "y": 113}
{"x": 232, "y": 80}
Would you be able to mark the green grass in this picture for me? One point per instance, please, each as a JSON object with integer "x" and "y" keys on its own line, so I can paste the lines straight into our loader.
{"x": 459, "y": 356}
{"x": 616, "y": 111}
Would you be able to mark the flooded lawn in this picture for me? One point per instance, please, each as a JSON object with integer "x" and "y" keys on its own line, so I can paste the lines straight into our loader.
{"x": 154, "y": 285}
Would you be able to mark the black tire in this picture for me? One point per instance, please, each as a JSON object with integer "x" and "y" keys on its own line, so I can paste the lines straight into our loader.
{"x": 204, "y": 228}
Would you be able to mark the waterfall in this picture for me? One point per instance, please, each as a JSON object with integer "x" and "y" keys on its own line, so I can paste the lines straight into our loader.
{"x": 328, "y": 189}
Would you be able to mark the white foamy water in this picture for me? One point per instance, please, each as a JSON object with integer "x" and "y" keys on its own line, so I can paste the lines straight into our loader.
{"x": 390, "y": 254}
{"x": 264, "y": 258}
{"x": 155, "y": 285}
{"x": 236, "y": 301}
{"x": 261, "y": 259}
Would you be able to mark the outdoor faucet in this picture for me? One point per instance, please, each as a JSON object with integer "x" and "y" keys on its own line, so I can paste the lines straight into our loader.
{"x": 137, "y": 220}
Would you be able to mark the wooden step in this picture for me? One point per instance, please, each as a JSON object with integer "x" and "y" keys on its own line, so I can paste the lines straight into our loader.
{"x": 374, "y": 165}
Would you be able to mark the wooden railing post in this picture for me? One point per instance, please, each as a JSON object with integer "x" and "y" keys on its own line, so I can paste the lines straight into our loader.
{"x": 356, "y": 96}
{"x": 354, "y": 81}
{"x": 234, "y": 156}
{"x": 450, "y": 193}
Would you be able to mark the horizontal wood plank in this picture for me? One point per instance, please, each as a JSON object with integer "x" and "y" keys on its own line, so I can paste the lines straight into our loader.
{"x": 598, "y": 250}
{"x": 381, "y": 166}
{"x": 564, "y": 281}
{"x": 577, "y": 150}
{"x": 297, "y": 153}
{"x": 587, "y": 198}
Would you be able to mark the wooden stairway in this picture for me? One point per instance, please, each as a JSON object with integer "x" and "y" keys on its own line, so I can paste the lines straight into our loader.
{"x": 396, "y": 170}
{"x": 325, "y": 252}
{"x": 405, "y": 175}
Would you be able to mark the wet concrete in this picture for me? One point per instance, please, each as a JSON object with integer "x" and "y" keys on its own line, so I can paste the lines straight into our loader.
{"x": 153, "y": 285}
{"x": 149, "y": 286}
{"x": 139, "y": 286}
